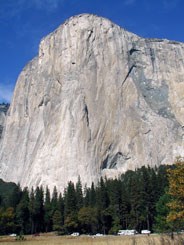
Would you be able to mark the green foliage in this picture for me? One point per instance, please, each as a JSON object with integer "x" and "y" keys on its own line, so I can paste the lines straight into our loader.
{"x": 79, "y": 194}
{"x": 161, "y": 224}
{"x": 7, "y": 190}
{"x": 135, "y": 201}
{"x": 7, "y": 220}
{"x": 71, "y": 223}
{"x": 22, "y": 212}
{"x": 57, "y": 220}
{"x": 87, "y": 217}
{"x": 70, "y": 200}
{"x": 48, "y": 211}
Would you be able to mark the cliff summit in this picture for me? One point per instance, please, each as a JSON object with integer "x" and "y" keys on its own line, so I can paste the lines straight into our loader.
{"x": 96, "y": 101}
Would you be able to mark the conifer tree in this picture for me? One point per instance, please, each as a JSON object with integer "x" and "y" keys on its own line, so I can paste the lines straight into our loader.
{"x": 22, "y": 212}
{"x": 92, "y": 196}
{"x": 32, "y": 210}
{"x": 70, "y": 199}
{"x": 39, "y": 209}
{"x": 79, "y": 194}
{"x": 61, "y": 208}
{"x": 47, "y": 211}
{"x": 162, "y": 211}
{"x": 54, "y": 201}
{"x": 57, "y": 221}
{"x": 86, "y": 196}
{"x": 71, "y": 220}
{"x": 15, "y": 196}
{"x": 87, "y": 217}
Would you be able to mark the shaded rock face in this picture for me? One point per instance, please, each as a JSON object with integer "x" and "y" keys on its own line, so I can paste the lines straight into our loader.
{"x": 3, "y": 111}
{"x": 97, "y": 101}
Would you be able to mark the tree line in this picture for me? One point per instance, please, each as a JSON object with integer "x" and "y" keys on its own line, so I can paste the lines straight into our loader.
{"x": 141, "y": 199}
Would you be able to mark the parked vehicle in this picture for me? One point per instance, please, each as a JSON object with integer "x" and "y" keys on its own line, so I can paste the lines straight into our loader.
{"x": 126, "y": 232}
{"x": 147, "y": 232}
{"x": 99, "y": 234}
{"x": 75, "y": 234}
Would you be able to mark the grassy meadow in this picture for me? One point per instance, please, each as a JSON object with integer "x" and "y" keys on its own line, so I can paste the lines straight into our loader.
{"x": 85, "y": 240}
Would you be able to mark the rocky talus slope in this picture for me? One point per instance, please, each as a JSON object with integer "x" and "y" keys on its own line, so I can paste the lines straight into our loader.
{"x": 96, "y": 101}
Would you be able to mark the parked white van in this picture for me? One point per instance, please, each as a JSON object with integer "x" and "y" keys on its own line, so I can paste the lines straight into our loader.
{"x": 127, "y": 232}
{"x": 147, "y": 232}
{"x": 75, "y": 234}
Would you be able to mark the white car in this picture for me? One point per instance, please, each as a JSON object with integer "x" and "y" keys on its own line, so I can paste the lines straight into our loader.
{"x": 145, "y": 232}
{"x": 13, "y": 235}
{"x": 127, "y": 232}
{"x": 75, "y": 234}
{"x": 99, "y": 234}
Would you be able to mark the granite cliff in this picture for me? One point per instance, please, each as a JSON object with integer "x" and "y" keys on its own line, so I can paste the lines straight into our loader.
{"x": 96, "y": 101}
{"x": 3, "y": 110}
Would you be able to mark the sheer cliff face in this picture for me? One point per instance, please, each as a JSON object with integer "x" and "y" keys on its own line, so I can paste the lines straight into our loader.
{"x": 3, "y": 111}
{"x": 97, "y": 101}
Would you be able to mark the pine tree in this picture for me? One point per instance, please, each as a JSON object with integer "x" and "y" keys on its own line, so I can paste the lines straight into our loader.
{"x": 79, "y": 194}
{"x": 70, "y": 214}
{"x": 57, "y": 221}
{"x": 15, "y": 196}
{"x": 92, "y": 196}
{"x": 70, "y": 200}
{"x": 87, "y": 217}
{"x": 39, "y": 209}
{"x": 162, "y": 209}
{"x": 32, "y": 210}
{"x": 22, "y": 212}
{"x": 54, "y": 201}
{"x": 86, "y": 196}
{"x": 47, "y": 211}
{"x": 102, "y": 200}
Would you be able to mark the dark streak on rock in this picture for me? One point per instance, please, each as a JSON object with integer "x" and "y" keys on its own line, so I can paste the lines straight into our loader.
{"x": 132, "y": 50}
{"x": 131, "y": 68}
{"x": 86, "y": 113}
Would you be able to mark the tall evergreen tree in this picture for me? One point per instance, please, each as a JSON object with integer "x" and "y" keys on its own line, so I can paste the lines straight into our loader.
{"x": 162, "y": 211}
{"x": 39, "y": 209}
{"x": 70, "y": 199}
{"x": 86, "y": 196}
{"x": 57, "y": 221}
{"x": 87, "y": 217}
{"x": 102, "y": 200}
{"x": 71, "y": 220}
{"x": 32, "y": 210}
{"x": 15, "y": 196}
{"x": 54, "y": 201}
{"x": 47, "y": 211}
{"x": 79, "y": 194}
{"x": 22, "y": 212}
{"x": 92, "y": 196}
{"x": 61, "y": 208}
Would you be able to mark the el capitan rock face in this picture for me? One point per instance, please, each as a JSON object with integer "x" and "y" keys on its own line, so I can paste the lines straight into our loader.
{"x": 97, "y": 100}
{"x": 3, "y": 111}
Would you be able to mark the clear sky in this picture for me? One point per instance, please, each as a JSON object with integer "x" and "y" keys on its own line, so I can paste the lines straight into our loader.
{"x": 24, "y": 22}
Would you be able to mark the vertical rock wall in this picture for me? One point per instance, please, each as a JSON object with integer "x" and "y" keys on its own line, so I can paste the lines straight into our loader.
{"x": 97, "y": 101}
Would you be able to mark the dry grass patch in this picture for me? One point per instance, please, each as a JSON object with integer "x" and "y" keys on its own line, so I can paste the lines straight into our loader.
{"x": 50, "y": 239}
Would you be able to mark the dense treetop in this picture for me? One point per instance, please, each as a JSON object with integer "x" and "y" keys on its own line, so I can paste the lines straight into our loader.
{"x": 140, "y": 199}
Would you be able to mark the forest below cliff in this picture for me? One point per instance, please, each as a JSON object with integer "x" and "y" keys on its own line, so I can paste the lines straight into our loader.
{"x": 140, "y": 199}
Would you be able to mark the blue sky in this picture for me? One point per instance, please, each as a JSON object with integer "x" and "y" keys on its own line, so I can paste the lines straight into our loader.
{"x": 24, "y": 22}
